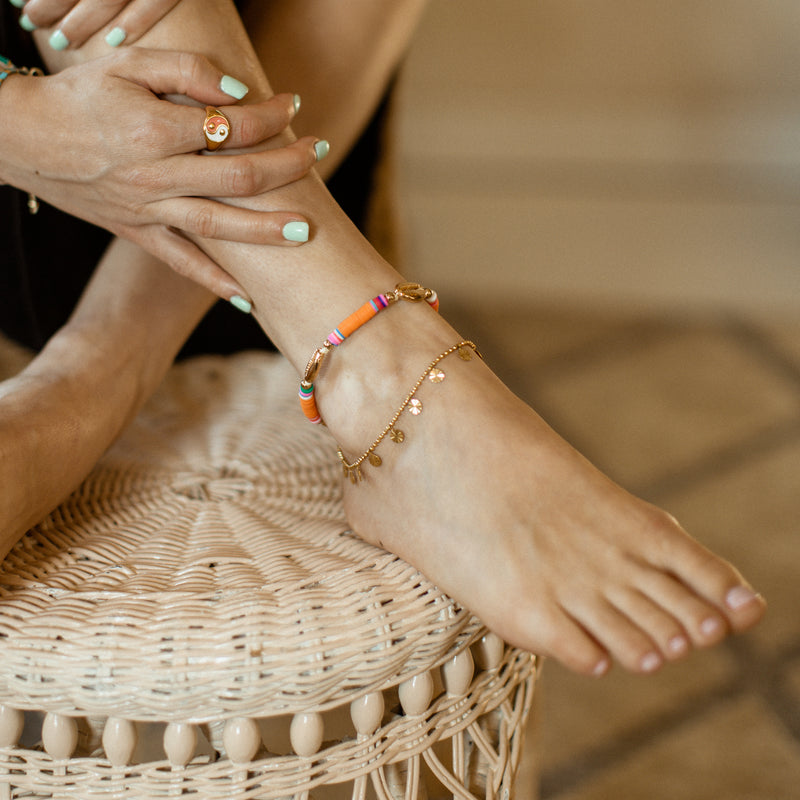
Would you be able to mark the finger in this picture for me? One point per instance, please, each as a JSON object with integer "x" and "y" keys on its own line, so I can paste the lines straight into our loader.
{"x": 240, "y": 175}
{"x": 187, "y": 259}
{"x": 136, "y": 19}
{"x": 44, "y": 13}
{"x": 168, "y": 72}
{"x": 210, "y": 219}
{"x": 84, "y": 20}
{"x": 249, "y": 125}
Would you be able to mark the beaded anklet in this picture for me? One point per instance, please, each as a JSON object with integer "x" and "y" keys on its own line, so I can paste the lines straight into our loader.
{"x": 353, "y": 470}
{"x": 412, "y": 292}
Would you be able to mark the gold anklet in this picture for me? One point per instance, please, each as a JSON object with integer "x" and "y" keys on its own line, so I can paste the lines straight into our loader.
{"x": 353, "y": 471}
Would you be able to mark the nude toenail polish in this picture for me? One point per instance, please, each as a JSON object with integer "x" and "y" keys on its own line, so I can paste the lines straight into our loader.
{"x": 739, "y": 597}
{"x": 650, "y": 663}
{"x": 678, "y": 645}
{"x": 710, "y": 626}
{"x": 601, "y": 668}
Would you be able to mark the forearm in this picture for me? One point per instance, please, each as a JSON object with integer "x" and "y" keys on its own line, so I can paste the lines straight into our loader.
{"x": 60, "y": 414}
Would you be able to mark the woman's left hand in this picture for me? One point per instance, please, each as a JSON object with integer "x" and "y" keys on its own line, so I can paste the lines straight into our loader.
{"x": 75, "y": 21}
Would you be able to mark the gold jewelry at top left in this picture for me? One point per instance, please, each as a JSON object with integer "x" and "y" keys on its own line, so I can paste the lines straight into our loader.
{"x": 6, "y": 69}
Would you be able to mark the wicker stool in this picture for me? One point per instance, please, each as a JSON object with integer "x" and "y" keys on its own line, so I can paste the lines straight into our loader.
{"x": 198, "y": 620}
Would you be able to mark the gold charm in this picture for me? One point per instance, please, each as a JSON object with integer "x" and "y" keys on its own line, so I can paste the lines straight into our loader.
{"x": 436, "y": 376}
{"x": 396, "y": 435}
{"x": 465, "y": 353}
{"x": 415, "y": 406}
{"x": 375, "y": 459}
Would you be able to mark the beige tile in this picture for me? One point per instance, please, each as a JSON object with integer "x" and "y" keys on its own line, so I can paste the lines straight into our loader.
{"x": 517, "y": 338}
{"x": 792, "y": 680}
{"x": 507, "y": 241}
{"x": 784, "y": 333}
{"x": 738, "y": 751}
{"x": 751, "y": 515}
{"x": 576, "y": 714}
{"x": 660, "y": 408}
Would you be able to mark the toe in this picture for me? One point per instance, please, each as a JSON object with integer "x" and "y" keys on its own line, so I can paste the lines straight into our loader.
{"x": 701, "y": 620}
{"x": 661, "y": 626}
{"x": 711, "y": 579}
{"x": 565, "y": 640}
{"x": 629, "y": 644}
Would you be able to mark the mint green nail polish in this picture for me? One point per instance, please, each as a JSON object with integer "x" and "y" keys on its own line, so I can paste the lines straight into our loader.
{"x": 58, "y": 41}
{"x": 295, "y": 231}
{"x": 115, "y": 37}
{"x": 18, "y": 3}
{"x": 296, "y": 103}
{"x": 242, "y": 304}
{"x": 26, "y": 24}
{"x": 233, "y": 87}
{"x": 322, "y": 148}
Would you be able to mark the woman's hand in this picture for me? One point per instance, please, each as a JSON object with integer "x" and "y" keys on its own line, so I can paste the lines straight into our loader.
{"x": 99, "y": 142}
{"x": 76, "y": 21}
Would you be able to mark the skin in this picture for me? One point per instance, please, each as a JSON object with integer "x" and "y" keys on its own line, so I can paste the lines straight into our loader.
{"x": 132, "y": 173}
{"x": 506, "y": 516}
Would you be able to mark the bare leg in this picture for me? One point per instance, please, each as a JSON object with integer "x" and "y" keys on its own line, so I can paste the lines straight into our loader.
{"x": 482, "y": 496}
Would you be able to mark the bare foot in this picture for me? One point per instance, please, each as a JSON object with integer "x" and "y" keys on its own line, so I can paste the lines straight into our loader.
{"x": 486, "y": 500}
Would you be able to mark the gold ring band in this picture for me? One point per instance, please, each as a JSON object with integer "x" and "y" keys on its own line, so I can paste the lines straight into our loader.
{"x": 216, "y": 128}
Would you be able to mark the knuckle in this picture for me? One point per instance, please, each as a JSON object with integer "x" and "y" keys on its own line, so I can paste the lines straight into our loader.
{"x": 203, "y": 221}
{"x": 241, "y": 178}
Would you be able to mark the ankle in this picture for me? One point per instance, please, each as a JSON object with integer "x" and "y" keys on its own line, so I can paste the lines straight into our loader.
{"x": 366, "y": 379}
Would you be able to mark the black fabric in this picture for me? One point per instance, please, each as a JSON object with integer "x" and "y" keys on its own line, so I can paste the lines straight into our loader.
{"x": 47, "y": 259}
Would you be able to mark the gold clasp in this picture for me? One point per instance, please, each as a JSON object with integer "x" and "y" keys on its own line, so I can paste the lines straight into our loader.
{"x": 411, "y": 291}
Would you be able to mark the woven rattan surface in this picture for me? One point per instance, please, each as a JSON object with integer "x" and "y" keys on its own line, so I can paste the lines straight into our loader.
{"x": 204, "y": 570}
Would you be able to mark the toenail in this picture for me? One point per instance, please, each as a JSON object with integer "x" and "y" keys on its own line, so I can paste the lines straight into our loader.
{"x": 650, "y": 663}
{"x": 740, "y": 596}
{"x": 710, "y": 626}
{"x": 677, "y": 645}
{"x": 601, "y": 668}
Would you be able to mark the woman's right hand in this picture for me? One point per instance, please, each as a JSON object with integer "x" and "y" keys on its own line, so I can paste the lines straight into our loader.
{"x": 98, "y": 141}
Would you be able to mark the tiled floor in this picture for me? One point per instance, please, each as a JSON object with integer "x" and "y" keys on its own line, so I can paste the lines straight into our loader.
{"x": 701, "y": 416}
{"x": 558, "y": 156}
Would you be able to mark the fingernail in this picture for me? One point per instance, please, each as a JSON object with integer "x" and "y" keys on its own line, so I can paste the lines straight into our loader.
{"x": 18, "y": 3}
{"x": 322, "y": 148}
{"x": 243, "y": 305}
{"x": 650, "y": 663}
{"x": 58, "y": 41}
{"x": 295, "y": 231}
{"x": 710, "y": 626}
{"x": 233, "y": 87}
{"x": 740, "y": 596}
{"x": 296, "y": 103}
{"x": 678, "y": 645}
{"x": 115, "y": 37}
{"x": 601, "y": 668}
{"x": 26, "y": 24}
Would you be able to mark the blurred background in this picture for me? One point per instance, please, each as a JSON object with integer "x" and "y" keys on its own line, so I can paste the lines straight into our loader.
{"x": 606, "y": 195}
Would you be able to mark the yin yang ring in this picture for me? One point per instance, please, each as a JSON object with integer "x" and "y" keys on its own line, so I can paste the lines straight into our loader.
{"x": 216, "y": 128}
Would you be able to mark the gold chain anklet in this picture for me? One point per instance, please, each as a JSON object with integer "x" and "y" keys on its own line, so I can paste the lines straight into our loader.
{"x": 353, "y": 471}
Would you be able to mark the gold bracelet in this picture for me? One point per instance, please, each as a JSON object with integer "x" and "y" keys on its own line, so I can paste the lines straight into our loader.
{"x": 6, "y": 69}
{"x": 353, "y": 470}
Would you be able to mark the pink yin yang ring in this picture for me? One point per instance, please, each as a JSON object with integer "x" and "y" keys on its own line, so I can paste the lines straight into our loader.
{"x": 216, "y": 128}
